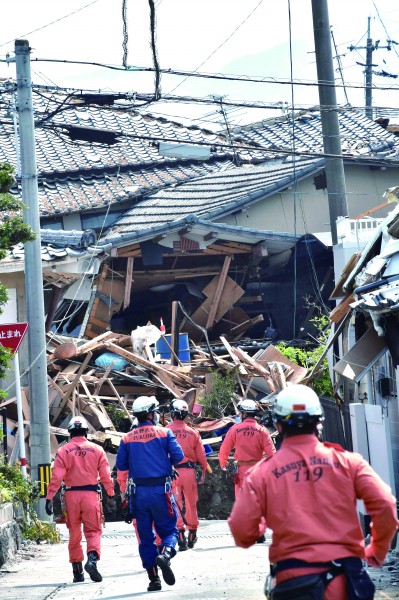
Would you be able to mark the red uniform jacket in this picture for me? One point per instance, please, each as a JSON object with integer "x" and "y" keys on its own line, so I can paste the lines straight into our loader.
{"x": 190, "y": 441}
{"x": 251, "y": 441}
{"x": 307, "y": 493}
{"x": 80, "y": 462}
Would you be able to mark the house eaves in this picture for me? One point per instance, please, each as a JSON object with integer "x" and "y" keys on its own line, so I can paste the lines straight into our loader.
{"x": 277, "y": 242}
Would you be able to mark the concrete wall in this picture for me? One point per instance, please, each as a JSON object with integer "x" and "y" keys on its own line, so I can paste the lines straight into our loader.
{"x": 10, "y": 534}
{"x": 365, "y": 188}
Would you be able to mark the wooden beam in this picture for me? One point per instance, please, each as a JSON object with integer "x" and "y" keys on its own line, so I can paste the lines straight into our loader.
{"x": 122, "y": 405}
{"x": 175, "y": 332}
{"x": 136, "y": 359}
{"x": 218, "y": 293}
{"x": 95, "y": 342}
{"x": 129, "y": 281}
{"x": 210, "y": 236}
{"x": 73, "y": 385}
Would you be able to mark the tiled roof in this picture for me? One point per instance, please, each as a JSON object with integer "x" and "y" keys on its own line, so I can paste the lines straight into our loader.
{"x": 277, "y": 241}
{"x": 360, "y": 136}
{"x": 78, "y": 176}
{"x": 213, "y": 196}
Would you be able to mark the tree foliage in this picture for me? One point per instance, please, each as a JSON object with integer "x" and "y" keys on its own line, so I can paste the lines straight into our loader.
{"x": 218, "y": 400}
{"x": 308, "y": 356}
{"x": 13, "y": 230}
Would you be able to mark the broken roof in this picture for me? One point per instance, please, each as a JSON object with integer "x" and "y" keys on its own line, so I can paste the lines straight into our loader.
{"x": 74, "y": 176}
{"x": 213, "y": 196}
{"x": 195, "y": 227}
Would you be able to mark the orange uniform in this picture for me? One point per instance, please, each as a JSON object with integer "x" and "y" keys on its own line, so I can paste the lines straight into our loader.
{"x": 307, "y": 494}
{"x": 186, "y": 484}
{"x": 251, "y": 441}
{"x": 78, "y": 464}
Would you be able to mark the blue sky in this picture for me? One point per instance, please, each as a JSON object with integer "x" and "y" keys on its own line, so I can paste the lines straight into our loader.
{"x": 212, "y": 36}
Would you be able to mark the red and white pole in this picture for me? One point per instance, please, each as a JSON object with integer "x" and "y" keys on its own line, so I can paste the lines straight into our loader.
{"x": 21, "y": 432}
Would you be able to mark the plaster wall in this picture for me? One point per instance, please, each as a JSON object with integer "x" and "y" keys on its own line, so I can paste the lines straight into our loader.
{"x": 16, "y": 281}
{"x": 305, "y": 210}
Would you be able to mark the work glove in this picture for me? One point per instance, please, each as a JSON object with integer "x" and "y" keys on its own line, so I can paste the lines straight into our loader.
{"x": 111, "y": 504}
{"x": 128, "y": 518}
{"x": 371, "y": 557}
{"x": 49, "y": 507}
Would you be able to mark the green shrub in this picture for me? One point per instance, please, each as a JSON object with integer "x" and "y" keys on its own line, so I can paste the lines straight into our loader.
{"x": 309, "y": 354}
{"x": 117, "y": 416}
{"x": 22, "y": 493}
{"x": 217, "y": 403}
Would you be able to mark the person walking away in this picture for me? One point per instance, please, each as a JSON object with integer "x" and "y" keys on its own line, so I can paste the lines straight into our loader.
{"x": 251, "y": 441}
{"x": 122, "y": 478}
{"x": 149, "y": 452}
{"x": 185, "y": 485}
{"x": 307, "y": 495}
{"x": 78, "y": 465}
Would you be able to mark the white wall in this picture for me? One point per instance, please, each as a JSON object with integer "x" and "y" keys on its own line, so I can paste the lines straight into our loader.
{"x": 365, "y": 188}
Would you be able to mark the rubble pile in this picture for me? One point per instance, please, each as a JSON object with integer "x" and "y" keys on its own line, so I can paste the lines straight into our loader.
{"x": 104, "y": 375}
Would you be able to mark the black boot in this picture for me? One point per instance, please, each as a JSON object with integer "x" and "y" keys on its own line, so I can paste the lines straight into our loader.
{"x": 91, "y": 566}
{"x": 78, "y": 575}
{"x": 182, "y": 540}
{"x": 163, "y": 562}
{"x": 155, "y": 582}
{"x": 192, "y": 538}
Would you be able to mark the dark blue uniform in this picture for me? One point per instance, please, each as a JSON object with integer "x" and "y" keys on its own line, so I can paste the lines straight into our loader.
{"x": 148, "y": 453}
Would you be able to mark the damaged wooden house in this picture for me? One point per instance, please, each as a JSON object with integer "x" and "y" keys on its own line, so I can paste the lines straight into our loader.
{"x": 364, "y": 341}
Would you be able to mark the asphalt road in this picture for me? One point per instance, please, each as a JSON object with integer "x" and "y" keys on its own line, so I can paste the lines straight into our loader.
{"x": 213, "y": 570}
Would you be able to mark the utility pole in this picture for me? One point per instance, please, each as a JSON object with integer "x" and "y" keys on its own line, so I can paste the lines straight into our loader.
{"x": 336, "y": 188}
{"x": 370, "y": 47}
{"x": 38, "y": 392}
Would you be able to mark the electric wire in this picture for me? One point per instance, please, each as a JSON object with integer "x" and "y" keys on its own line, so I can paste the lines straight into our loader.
{"x": 125, "y": 33}
{"x": 52, "y": 23}
{"x": 221, "y": 45}
{"x": 385, "y": 29}
{"x": 216, "y": 76}
{"x": 157, "y": 91}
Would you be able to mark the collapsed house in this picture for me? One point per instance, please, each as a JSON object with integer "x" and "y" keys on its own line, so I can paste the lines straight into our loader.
{"x": 363, "y": 346}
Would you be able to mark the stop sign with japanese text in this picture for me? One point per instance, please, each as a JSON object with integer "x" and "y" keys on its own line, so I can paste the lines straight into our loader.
{"x": 11, "y": 335}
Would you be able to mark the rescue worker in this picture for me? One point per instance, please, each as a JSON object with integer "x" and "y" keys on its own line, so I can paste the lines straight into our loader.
{"x": 251, "y": 441}
{"x": 307, "y": 495}
{"x": 78, "y": 465}
{"x": 185, "y": 485}
{"x": 149, "y": 452}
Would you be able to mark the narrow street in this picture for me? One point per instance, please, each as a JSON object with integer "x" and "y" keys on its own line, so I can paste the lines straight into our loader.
{"x": 214, "y": 570}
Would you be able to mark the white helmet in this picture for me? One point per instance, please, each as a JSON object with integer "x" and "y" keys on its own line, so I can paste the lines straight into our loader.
{"x": 145, "y": 404}
{"x": 248, "y": 406}
{"x": 78, "y": 423}
{"x": 179, "y": 409}
{"x": 297, "y": 405}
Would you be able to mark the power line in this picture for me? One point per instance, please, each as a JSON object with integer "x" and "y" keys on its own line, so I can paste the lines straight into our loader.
{"x": 255, "y": 148}
{"x": 221, "y": 45}
{"x": 212, "y": 76}
{"x": 385, "y": 29}
{"x": 49, "y": 24}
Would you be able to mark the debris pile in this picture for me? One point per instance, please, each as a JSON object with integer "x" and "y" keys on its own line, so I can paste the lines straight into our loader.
{"x": 102, "y": 377}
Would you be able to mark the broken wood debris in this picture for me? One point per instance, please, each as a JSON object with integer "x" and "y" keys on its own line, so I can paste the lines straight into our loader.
{"x": 78, "y": 385}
